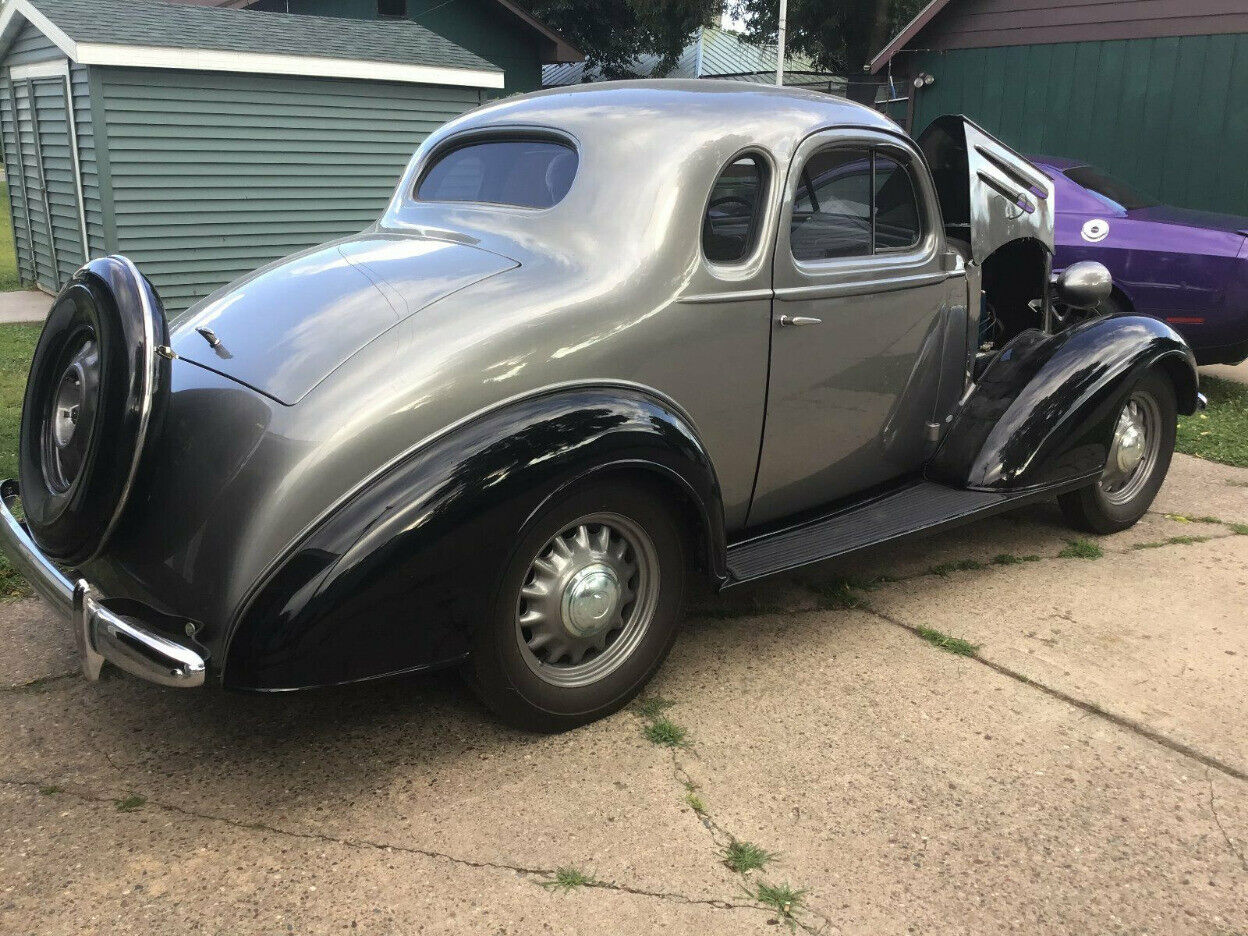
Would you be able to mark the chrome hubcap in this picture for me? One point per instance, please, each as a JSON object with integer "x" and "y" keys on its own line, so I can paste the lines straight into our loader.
{"x": 68, "y": 421}
{"x": 587, "y": 600}
{"x": 1134, "y": 451}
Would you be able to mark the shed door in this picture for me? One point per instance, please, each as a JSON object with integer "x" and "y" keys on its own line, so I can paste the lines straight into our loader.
{"x": 46, "y": 201}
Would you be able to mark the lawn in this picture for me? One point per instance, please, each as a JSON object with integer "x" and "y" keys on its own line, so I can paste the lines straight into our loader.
{"x": 17, "y": 343}
{"x": 1221, "y": 432}
{"x": 8, "y": 254}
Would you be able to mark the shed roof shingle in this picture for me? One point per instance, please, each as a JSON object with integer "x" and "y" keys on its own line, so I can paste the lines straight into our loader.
{"x": 179, "y": 26}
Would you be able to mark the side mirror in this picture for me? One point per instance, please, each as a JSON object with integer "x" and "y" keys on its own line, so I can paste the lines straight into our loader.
{"x": 1084, "y": 285}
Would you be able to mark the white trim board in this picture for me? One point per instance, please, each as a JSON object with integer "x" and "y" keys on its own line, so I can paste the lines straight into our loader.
{"x": 264, "y": 63}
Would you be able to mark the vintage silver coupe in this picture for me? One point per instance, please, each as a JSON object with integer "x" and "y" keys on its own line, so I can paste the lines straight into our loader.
{"x": 600, "y": 339}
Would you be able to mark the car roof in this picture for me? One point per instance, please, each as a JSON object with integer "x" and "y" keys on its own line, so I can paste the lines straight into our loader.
{"x": 768, "y": 114}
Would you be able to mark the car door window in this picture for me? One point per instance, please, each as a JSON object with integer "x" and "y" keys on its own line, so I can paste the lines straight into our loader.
{"x": 832, "y": 209}
{"x": 730, "y": 226}
{"x": 853, "y": 202}
{"x": 896, "y": 206}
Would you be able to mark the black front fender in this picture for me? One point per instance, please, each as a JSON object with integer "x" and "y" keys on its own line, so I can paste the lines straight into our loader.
{"x": 395, "y": 579}
{"x": 1044, "y": 411}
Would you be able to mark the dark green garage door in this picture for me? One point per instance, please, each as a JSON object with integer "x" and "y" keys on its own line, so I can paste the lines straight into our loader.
{"x": 1168, "y": 115}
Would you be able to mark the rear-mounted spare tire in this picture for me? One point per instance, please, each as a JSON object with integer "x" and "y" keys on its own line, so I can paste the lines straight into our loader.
{"x": 96, "y": 390}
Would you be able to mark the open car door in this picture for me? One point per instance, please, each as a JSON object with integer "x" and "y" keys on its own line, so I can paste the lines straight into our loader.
{"x": 989, "y": 194}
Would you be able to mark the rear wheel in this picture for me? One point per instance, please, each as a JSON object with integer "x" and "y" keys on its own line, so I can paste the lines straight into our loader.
{"x": 1139, "y": 457}
{"x": 586, "y": 611}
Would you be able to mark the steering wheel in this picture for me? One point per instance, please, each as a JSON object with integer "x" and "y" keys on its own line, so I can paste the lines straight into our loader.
{"x": 730, "y": 199}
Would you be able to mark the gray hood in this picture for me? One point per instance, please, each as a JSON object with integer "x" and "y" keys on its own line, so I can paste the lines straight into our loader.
{"x": 284, "y": 328}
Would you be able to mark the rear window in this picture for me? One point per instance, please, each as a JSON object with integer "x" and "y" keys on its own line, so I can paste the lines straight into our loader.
{"x": 1102, "y": 183}
{"x": 524, "y": 173}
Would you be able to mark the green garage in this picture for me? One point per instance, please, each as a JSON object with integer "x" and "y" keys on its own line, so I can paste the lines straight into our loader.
{"x": 1154, "y": 92}
{"x": 202, "y": 142}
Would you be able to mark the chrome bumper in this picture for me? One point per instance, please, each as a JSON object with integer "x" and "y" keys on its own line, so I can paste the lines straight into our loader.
{"x": 101, "y": 634}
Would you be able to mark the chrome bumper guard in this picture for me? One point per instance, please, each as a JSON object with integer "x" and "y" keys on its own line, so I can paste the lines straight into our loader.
{"x": 100, "y": 634}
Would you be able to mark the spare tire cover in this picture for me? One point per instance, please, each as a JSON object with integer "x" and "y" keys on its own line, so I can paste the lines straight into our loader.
{"x": 96, "y": 390}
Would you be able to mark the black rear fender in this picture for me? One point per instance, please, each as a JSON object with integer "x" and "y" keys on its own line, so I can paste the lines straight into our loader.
{"x": 1044, "y": 411}
{"x": 395, "y": 579}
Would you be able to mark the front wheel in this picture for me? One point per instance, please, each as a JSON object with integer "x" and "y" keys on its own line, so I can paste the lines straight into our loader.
{"x": 586, "y": 611}
{"x": 1139, "y": 457}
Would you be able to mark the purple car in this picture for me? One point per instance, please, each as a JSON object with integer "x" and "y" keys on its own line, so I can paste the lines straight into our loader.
{"x": 1187, "y": 268}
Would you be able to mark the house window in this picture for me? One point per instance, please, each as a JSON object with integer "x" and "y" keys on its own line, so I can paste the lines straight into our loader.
{"x": 393, "y": 9}
{"x": 730, "y": 227}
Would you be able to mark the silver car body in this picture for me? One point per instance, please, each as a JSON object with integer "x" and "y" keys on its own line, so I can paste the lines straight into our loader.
{"x": 298, "y": 387}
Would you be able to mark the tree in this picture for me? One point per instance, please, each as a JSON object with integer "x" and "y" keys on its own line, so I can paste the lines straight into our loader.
{"x": 840, "y": 36}
{"x": 612, "y": 33}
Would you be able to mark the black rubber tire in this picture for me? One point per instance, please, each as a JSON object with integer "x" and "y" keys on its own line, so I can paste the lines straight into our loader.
{"x": 1087, "y": 509}
{"x": 70, "y": 524}
{"x": 496, "y": 670}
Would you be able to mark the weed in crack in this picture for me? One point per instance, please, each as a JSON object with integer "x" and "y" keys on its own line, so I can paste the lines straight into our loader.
{"x": 130, "y": 803}
{"x": 1081, "y": 549}
{"x": 951, "y": 644}
{"x": 782, "y": 898}
{"x": 744, "y": 857}
{"x": 567, "y": 879}
{"x": 665, "y": 733}
{"x": 961, "y": 565}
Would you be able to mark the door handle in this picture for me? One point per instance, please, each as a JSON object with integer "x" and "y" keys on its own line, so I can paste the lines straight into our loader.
{"x": 787, "y": 320}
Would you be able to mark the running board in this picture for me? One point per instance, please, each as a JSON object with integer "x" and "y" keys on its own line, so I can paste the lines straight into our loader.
{"x": 919, "y": 507}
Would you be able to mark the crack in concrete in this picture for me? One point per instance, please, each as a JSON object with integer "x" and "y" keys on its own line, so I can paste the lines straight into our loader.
{"x": 39, "y": 683}
{"x": 1230, "y": 842}
{"x": 547, "y": 874}
{"x": 721, "y": 838}
{"x": 1130, "y": 724}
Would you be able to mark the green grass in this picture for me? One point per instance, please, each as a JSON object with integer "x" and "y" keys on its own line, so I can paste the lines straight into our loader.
{"x": 961, "y": 565}
{"x": 744, "y": 857}
{"x": 782, "y": 898}
{"x": 665, "y": 733}
{"x": 1081, "y": 549}
{"x": 50, "y": 790}
{"x": 1172, "y": 541}
{"x": 696, "y": 803}
{"x": 130, "y": 803}
{"x": 17, "y": 343}
{"x": 836, "y": 594}
{"x": 653, "y": 706}
{"x": 950, "y": 644}
{"x": 1180, "y": 518}
{"x": 1221, "y": 432}
{"x": 8, "y": 253}
{"x": 567, "y": 879}
{"x": 1239, "y": 528}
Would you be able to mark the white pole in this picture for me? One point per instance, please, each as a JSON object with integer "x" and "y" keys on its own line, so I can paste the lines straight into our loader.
{"x": 784, "y": 9}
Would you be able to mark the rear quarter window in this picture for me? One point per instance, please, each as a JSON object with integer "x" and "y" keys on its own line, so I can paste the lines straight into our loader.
{"x": 521, "y": 173}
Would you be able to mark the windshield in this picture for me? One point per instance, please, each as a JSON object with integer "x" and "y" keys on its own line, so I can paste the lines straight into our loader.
{"x": 524, "y": 173}
{"x": 1099, "y": 182}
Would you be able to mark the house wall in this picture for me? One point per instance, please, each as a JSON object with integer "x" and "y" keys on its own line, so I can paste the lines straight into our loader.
{"x": 1169, "y": 115}
{"x": 984, "y": 23}
{"x": 213, "y": 174}
{"x": 480, "y": 26}
{"x": 30, "y": 47}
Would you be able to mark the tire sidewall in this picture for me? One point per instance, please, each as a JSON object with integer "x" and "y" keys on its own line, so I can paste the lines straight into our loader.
{"x": 502, "y": 675}
{"x": 1121, "y": 516}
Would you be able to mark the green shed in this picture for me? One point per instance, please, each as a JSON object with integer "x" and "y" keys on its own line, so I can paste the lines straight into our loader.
{"x": 1154, "y": 92}
{"x": 204, "y": 142}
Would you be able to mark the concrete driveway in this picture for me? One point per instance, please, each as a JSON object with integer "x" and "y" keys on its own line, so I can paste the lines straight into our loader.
{"x": 1085, "y": 773}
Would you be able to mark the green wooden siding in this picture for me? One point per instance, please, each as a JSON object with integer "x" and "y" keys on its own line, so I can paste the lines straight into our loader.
{"x": 213, "y": 175}
{"x": 1168, "y": 115}
{"x": 480, "y": 26}
{"x": 27, "y": 175}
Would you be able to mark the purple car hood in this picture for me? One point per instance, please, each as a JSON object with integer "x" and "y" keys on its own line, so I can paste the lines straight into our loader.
{"x": 1210, "y": 220}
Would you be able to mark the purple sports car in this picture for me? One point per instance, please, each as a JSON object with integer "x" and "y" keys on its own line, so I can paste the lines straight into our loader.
{"x": 1187, "y": 268}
